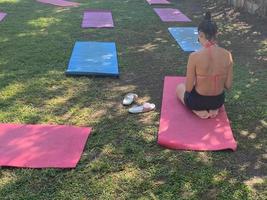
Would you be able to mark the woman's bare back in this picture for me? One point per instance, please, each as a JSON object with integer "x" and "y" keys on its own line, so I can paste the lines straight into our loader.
{"x": 213, "y": 70}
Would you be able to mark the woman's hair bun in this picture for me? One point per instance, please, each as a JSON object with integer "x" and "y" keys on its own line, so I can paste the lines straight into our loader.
{"x": 208, "y": 27}
{"x": 207, "y": 16}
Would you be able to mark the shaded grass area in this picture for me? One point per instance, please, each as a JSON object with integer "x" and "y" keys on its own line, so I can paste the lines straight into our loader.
{"x": 121, "y": 159}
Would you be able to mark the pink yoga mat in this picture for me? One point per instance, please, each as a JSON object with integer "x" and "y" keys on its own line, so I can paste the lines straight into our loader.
{"x": 60, "y": 3}
{"x": 171, "y": 15}
{"x": 181, "y": 129}
{"x": 2, "y": 16}
{"x": 41, "y": 146}
{"x": 158, "y": 2}
{"x": 97, "y": 19}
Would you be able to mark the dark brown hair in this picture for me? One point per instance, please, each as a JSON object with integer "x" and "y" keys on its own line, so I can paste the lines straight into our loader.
{"x": 208, "y": 27}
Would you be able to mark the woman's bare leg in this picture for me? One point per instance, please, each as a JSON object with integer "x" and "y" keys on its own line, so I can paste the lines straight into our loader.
{"x": 180, "y": 90}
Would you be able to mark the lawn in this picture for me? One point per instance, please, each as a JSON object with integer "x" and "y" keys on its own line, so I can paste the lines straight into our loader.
{"x": 121, "y": 159}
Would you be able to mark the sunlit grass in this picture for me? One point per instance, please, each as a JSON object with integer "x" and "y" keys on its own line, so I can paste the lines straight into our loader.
{"x": 44, "y": 22}
{"x": 10, "y": 1}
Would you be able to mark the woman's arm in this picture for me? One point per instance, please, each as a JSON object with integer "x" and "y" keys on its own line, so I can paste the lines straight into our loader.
{"x": 190, "y": 73}
{"x": 229, "y": 80}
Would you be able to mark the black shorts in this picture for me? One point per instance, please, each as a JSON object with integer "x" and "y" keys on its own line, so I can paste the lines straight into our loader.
{"x": 195, "y": 101}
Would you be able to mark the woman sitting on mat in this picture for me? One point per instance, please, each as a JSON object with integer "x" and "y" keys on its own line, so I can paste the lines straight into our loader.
{"x": 209, "y": 72}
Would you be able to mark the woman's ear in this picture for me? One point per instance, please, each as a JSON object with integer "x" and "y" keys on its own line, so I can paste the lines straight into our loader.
{"x": 202, "y": 35}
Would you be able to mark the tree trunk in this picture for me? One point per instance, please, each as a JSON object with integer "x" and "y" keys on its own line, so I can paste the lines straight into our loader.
{"x": 258, "y": 7}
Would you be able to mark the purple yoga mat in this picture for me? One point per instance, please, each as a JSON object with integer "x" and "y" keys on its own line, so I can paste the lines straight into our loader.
{"x": 158, "y": 2}
{"x": 60, "y": 3}
{"x": 171, "y": 15}
{"x": 2, "y": 16}
{"x": 97, "y": 19}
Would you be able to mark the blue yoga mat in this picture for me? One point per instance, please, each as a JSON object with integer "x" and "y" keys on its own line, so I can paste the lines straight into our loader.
{"x": 186, "y": 37}
{"x": 94, "y": 58}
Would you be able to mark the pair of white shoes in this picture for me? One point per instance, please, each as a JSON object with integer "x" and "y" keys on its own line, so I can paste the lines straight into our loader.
{"x": 145, "y": 107}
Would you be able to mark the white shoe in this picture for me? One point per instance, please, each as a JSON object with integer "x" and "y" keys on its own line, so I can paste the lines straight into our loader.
{"x": 129, "y": 99}
{"x": 146, "y": 107}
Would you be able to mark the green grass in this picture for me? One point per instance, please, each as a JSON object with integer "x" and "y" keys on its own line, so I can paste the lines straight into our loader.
{"x": 122, "y": 159}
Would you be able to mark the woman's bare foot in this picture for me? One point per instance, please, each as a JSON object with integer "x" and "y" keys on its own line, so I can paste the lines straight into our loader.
{"x": 202, "y": 114}
{"x": 213, "y": 113}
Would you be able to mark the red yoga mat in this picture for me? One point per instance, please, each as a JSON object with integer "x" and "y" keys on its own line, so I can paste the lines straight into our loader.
{"x": 60, "y": 3}
{"x": 181, "y": 129}
{"x": 41, "y": 146}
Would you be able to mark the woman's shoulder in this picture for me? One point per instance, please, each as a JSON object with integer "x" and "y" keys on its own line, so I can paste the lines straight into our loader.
{"x": 195, "y": 54}
{"x": 226, "y": 55}
{"x": 223, "y": 50}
